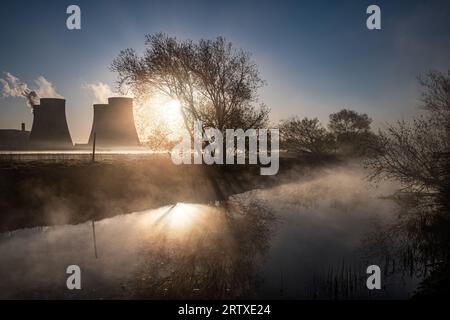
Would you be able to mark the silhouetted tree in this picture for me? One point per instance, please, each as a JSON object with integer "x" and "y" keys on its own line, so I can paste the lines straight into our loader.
{"x": 436, "y": 94}
{"x": 417, "y": 154}
{"x": 159, "y": 139}
{"x": 305, "y": 136}
{"x": 213, "y": 81}
{"x": 409, "y": 153}
{"x": 351, "y": 131}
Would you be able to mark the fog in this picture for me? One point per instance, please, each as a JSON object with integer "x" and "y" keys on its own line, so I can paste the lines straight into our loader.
{"x": 268, "y": 243}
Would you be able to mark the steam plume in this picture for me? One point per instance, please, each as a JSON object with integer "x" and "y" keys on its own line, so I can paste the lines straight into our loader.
{"x": 46, "y": 89}
{"x": 100, "y": 90}
{"x": 14, "y": 87}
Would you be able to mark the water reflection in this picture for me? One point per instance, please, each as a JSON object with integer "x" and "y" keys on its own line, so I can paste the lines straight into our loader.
{"x": 289, "y": 241}
{"x": 185, "y": 250}
{"x": 205, "y": 252}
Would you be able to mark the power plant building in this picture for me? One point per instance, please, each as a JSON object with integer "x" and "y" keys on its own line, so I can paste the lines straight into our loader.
{"x": 113, "y": 124}
{"x": 11, "y": 139}
{"x": 50, "y": 130}
{"x": 113, "y": 127}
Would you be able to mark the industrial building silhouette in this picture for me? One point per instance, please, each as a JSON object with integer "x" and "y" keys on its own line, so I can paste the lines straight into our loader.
{"x": 113, "y": 124}
{"x": 50, "y": 130}
{"x": 11, "y": 139}
{"x": 113, "y": 127}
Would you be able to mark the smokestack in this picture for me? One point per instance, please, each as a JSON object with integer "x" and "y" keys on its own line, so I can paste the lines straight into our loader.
{"x": 22, "y": 127}
{"x": 114, "y": 124}
{"x": 50, "y": 130}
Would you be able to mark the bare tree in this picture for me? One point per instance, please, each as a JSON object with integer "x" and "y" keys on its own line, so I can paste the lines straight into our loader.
{"x": 213, "y": 81}
{"x": 436, "y": 93}
{"x": 305, "y": 136}
{"x": 417, "y": 154}
{"x": 411, "y": 154}
{"x": 351, "y": 130}
{"x": 159, "y": 139}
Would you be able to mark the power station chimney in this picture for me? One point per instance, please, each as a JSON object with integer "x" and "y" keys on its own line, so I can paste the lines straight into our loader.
{"x": 113, "y": 124}
{"x": 50, "y": 130}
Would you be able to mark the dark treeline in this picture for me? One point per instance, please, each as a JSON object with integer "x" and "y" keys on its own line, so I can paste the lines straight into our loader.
{"x": 348, "y": 133}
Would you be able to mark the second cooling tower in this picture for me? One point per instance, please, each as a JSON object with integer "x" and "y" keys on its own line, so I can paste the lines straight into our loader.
{"x": 113, "y": 124}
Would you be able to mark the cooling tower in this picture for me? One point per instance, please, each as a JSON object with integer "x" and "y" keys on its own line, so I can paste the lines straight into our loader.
{"x": 49, "y": 128}
{"x": 114, "y": 124}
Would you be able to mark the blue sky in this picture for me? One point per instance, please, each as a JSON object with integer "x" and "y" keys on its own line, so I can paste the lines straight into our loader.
{"x": 316, "y": 56}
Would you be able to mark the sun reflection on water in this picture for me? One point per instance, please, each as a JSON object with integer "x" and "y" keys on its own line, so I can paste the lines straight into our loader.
{"x": 182, "y": 219}
{"x": 184, "y": 216}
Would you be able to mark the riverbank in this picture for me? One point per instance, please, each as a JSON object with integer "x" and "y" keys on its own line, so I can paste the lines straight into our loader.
{"x": 41, "y": 193}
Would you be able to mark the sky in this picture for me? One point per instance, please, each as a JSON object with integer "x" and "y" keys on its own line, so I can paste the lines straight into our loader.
{"x": 317, "y": 57}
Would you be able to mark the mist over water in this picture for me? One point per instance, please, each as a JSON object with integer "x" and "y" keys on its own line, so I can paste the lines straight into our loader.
{"x": 323, "y": 222}
{"x": 267, "y": 243}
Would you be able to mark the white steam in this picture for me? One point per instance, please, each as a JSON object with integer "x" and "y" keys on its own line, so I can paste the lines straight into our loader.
{"x": 45, "y": 88}
{"x": 100, "y": 90}
{"x": 12, "y": 86}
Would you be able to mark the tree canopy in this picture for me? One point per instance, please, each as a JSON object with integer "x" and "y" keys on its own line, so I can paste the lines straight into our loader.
{"x": 214, "y": 82}
{"x": 305, "y": 136}
{"x": 348, "y": 123}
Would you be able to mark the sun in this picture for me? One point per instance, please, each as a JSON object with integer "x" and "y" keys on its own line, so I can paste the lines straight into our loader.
{"x": 160, "y": 111}
{"x": 168, "y": 112}
{"x": 171, "y": 112}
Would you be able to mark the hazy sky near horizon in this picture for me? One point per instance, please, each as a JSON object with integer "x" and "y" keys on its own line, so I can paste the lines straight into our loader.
{"x": 316, "y": 56}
